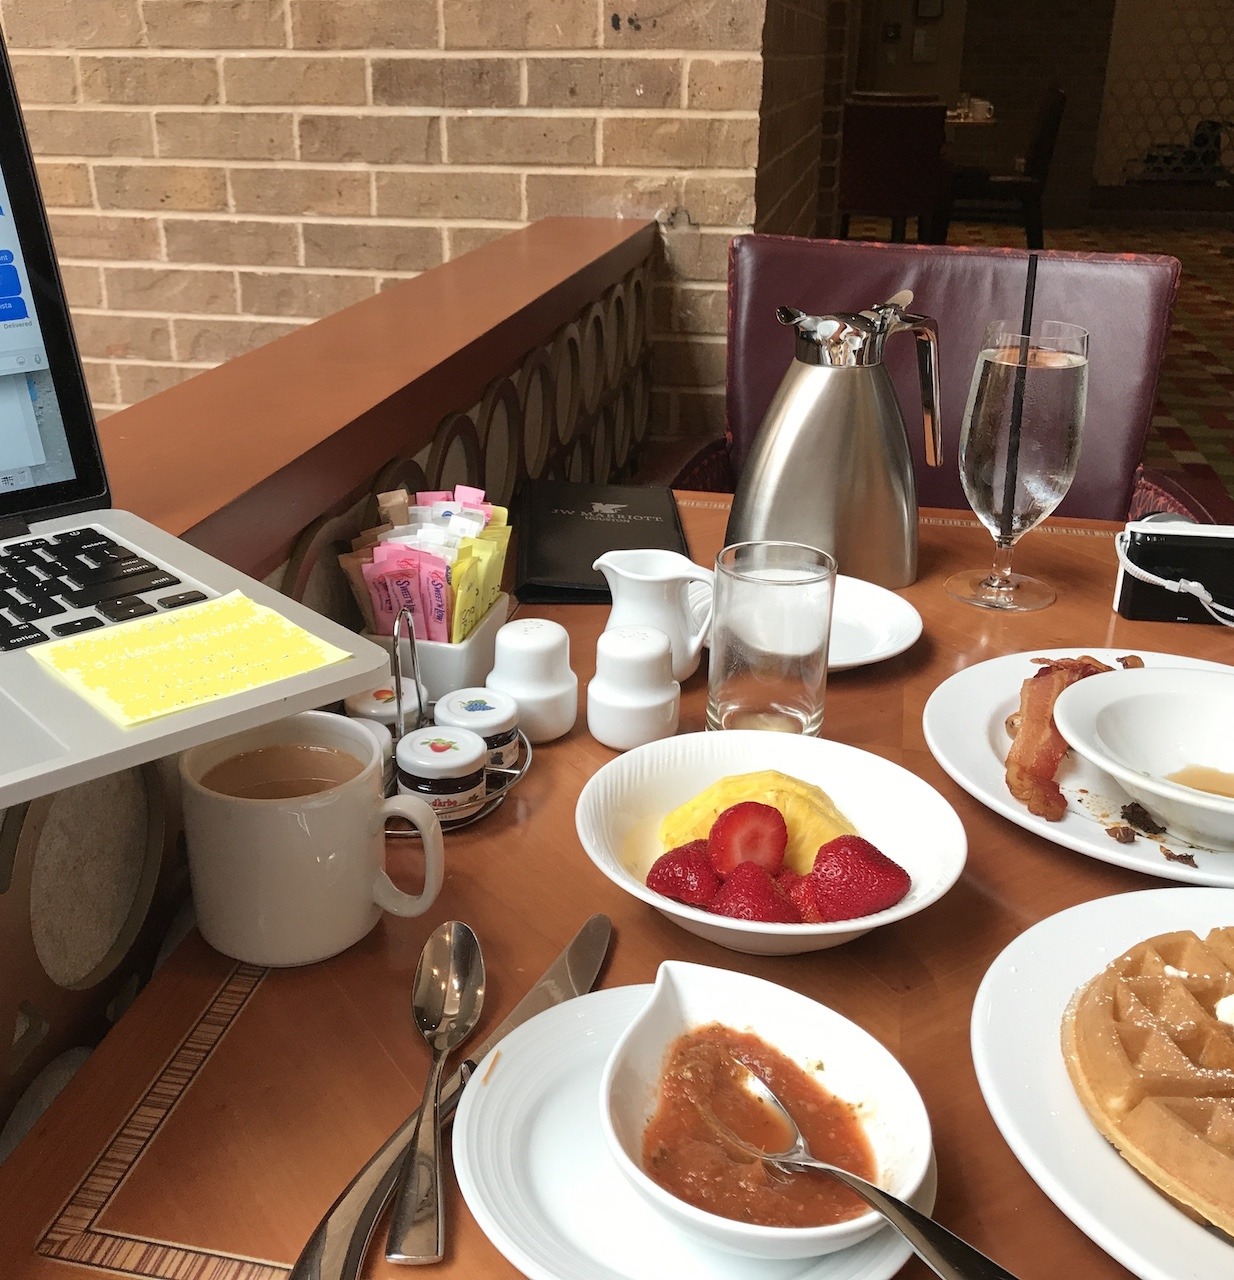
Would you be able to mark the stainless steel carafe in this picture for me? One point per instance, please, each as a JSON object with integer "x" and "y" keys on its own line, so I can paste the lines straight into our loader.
{"x": 830, "y": 465}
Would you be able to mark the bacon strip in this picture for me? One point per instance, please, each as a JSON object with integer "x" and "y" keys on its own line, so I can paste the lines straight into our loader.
{"x": 1037, "y": 748}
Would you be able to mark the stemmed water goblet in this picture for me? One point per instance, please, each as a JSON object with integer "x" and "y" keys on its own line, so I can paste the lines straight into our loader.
{"x": 1019, "y": 447}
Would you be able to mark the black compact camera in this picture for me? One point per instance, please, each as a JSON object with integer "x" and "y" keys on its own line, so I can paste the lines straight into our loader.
{"x": 1173, "y": 550}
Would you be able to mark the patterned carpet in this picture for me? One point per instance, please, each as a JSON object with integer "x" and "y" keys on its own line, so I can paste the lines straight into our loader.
{"x": 1193, "y": 426}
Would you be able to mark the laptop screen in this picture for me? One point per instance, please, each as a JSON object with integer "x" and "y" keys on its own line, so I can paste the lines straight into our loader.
{"x": 50, "y": 462}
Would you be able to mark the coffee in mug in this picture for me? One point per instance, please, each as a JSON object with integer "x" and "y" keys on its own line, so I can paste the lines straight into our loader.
{"x": 285, "y": 830}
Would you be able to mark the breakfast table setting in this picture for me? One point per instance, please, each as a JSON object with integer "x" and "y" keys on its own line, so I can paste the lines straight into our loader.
{"x": 230, "y": 1108}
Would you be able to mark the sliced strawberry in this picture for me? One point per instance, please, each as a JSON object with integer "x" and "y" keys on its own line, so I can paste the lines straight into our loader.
{"x": 852, "y": 878}
{"x": 748, "y": 832}
{"x": 799, "y": 890}
{"x": 685, "y": 874}
{"x": 749, "y": 893}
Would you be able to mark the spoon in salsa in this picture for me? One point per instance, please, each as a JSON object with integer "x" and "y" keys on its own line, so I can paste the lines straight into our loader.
{"x": 941, "y": 1250}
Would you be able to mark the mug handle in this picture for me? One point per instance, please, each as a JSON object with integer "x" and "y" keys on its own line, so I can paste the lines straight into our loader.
{"x": 422, "y": 816}
{"x": 696, "y": 637}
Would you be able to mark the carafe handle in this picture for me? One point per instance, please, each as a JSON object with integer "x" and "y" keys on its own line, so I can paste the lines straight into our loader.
{"x": 925, "y": 331}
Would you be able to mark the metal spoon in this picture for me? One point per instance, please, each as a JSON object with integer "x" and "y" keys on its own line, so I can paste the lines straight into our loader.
{"x": 942, "y": 1251}
{"x": 446, "y": 1000}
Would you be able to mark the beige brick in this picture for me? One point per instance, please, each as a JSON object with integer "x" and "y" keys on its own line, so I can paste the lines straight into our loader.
{"x": 224, "y": 135}
{"x": 446, "y": 82}
{"x": 461, "y": 240}
{"x": 170, "y": 289}
{"x": 116, "y": 337}
{"x": 301, "y": 293}
{"x": 216, "y": 241}
{"x": 72, "y": 24}
{"x": 101, "y": 383}
{"x": 724, "y": 84}
{"x": 153, "y": 81}
{"x": 520, "y": 140}
{"x": 71, "y": 132}
{"x": 213, "y": 341}
{"x": 600, "y": 195}
{"x": 371, "y": 246}
{"x": 140, "y": 381}
{"x": 161, "y": 186}
{"x": 689, "y": 24}
{"x": 650, "y": 83}
{"x": 694, "y": 254}
{"x": 546, "y": 24}
{"x": 449, "y": 194}
{"x": 83, "y": 285}
{"x": 689, "y": 310}
{"x": 370, "y": 139}
{"x": 214, "y": 24}
{"x": 295, "y": 81}
{"x": 701, "y": 413}
{"x": 65, "y": 185}
{"x": 680, "y": 142}
{"x": 684, "y": 363}
{"x": 364, "y": 24}
{"x": 44, "y": 77}
{"x": 719, "y": 201}
{"x": 100, "y": 235}
{"x": 300, "y": 191}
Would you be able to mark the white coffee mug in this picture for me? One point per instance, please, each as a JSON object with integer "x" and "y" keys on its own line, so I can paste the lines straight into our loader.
{"x": 290, "y": 878}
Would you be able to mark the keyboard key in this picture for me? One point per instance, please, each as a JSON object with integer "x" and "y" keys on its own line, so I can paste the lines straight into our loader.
{"x": 76, "y": 625}
{"x": 33, "y": 609}
{"x": 18, "y": 637}
{"x": 90, "y": 575}
{"x": 123, "y": 587}
{"x": 124, "y": 608}
{"x": 179, "y": 601}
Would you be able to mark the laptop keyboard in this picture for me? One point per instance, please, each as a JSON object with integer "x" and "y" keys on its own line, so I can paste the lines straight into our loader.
{"x": 65, "y": 583}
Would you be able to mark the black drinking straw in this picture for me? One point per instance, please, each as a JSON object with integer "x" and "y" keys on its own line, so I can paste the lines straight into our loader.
{"x": 1017, "y": 404}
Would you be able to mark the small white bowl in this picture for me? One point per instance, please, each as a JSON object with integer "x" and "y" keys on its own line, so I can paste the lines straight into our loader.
{"x": 1142, "y": 724}
{"x": 620, "y": 809}
{"x": 847, "y": 1061}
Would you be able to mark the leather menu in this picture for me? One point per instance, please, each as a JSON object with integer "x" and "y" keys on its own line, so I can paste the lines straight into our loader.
{"x": 562, "y": 527}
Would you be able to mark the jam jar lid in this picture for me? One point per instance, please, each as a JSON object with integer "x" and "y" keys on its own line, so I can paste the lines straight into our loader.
{"x": 441, "y": 752}
{"x": 378, "y": 703}
{"x": 487, "y": 712}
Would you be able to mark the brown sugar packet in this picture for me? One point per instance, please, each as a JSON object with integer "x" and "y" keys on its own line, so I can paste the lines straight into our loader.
{"x": 392, "y": 507}
{"x": 350, "y": 562}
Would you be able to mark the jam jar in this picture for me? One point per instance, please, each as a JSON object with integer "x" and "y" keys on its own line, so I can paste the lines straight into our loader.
{"x": 488, "y": 712}
{"x": 444, "y": 766}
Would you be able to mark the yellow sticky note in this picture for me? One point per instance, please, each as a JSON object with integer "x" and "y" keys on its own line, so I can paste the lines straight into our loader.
{"x": 150, "y": 667}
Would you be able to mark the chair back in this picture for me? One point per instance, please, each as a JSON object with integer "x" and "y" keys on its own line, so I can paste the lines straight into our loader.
{"x": 891, "y": 158}
{"x": 1045, "y": 135}
{"x": 1125, "y": 301}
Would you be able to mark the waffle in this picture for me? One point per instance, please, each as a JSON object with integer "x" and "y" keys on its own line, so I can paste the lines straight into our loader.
{"x": 1153, "y": 1064}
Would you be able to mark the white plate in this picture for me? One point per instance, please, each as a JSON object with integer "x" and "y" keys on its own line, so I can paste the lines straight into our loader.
{"x": 963, "y": 723}
{"x": 868, "y": 623}
{"x": 531, "y": 1161}
{"x": 1015, "y": 1039}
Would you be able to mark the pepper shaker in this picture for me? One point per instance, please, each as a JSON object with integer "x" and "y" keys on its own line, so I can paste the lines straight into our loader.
{"x": 532, "y": 664}
{"x": 633, "y": 697}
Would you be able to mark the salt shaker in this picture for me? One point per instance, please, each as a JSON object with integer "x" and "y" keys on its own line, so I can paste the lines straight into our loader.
{"x": 633, "y": 698}
{"x": 531, "y": 663}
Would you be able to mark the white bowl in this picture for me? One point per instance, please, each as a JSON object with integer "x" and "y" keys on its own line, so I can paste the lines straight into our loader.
{"x": 847, "y": 1061}
{"x": 1143, "y": 724}
{"x": 620, "y": 809}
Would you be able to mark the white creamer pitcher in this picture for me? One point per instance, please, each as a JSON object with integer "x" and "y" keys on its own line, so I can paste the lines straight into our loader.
{"x": 649, "y": 589}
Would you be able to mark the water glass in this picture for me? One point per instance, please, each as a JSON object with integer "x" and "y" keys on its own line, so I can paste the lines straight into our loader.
{"x": 770, "y": 629}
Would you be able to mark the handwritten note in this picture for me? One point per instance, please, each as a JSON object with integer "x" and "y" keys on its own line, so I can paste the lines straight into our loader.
{"x": 154, "y": 666}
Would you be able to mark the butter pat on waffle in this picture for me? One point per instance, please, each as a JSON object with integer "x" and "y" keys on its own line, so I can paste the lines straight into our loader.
{"x": 1149, "y": 1046}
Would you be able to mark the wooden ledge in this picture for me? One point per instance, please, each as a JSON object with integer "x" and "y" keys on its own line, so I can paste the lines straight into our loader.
{"x": 242, "y": 457}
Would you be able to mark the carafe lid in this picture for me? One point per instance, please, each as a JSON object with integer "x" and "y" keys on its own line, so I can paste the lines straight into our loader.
{"x": 854, "y": 338}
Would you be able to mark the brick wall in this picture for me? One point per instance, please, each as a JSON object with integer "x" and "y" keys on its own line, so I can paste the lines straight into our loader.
{"x": 222, "y": 171}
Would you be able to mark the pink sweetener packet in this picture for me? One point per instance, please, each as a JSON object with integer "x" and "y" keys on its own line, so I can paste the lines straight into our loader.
{"x": 435, "y": 597}
{"x": 468, "y": 494}
{"x": 427, "y": 497}
{"x": 380, "y": 598}
{"x": 404, "y": 586}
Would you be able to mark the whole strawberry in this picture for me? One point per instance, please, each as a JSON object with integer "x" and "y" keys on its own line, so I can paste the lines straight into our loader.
{"x": 852, "y": 878}
{"x": 685, "y": 874}
{"x": 748, "y": 832}
{"x": 749, "y": 893}
{"x": 799, "y": 890}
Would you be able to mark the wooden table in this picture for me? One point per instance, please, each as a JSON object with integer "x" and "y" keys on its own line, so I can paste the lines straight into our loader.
{"x": 219, "y": 1119}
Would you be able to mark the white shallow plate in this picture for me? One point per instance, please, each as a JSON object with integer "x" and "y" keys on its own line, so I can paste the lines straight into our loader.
{"x": 532, "y": 1165}
{"x": 1015, "y": 1040}
{"x": 964, "y": 727}
{"x": 868, "y": 623}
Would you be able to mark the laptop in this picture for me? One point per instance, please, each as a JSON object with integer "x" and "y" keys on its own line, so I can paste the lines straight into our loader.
{"x": 71, "y": 563}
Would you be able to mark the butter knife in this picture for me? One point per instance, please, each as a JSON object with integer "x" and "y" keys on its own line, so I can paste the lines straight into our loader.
{"x": 336, "y": 1249}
